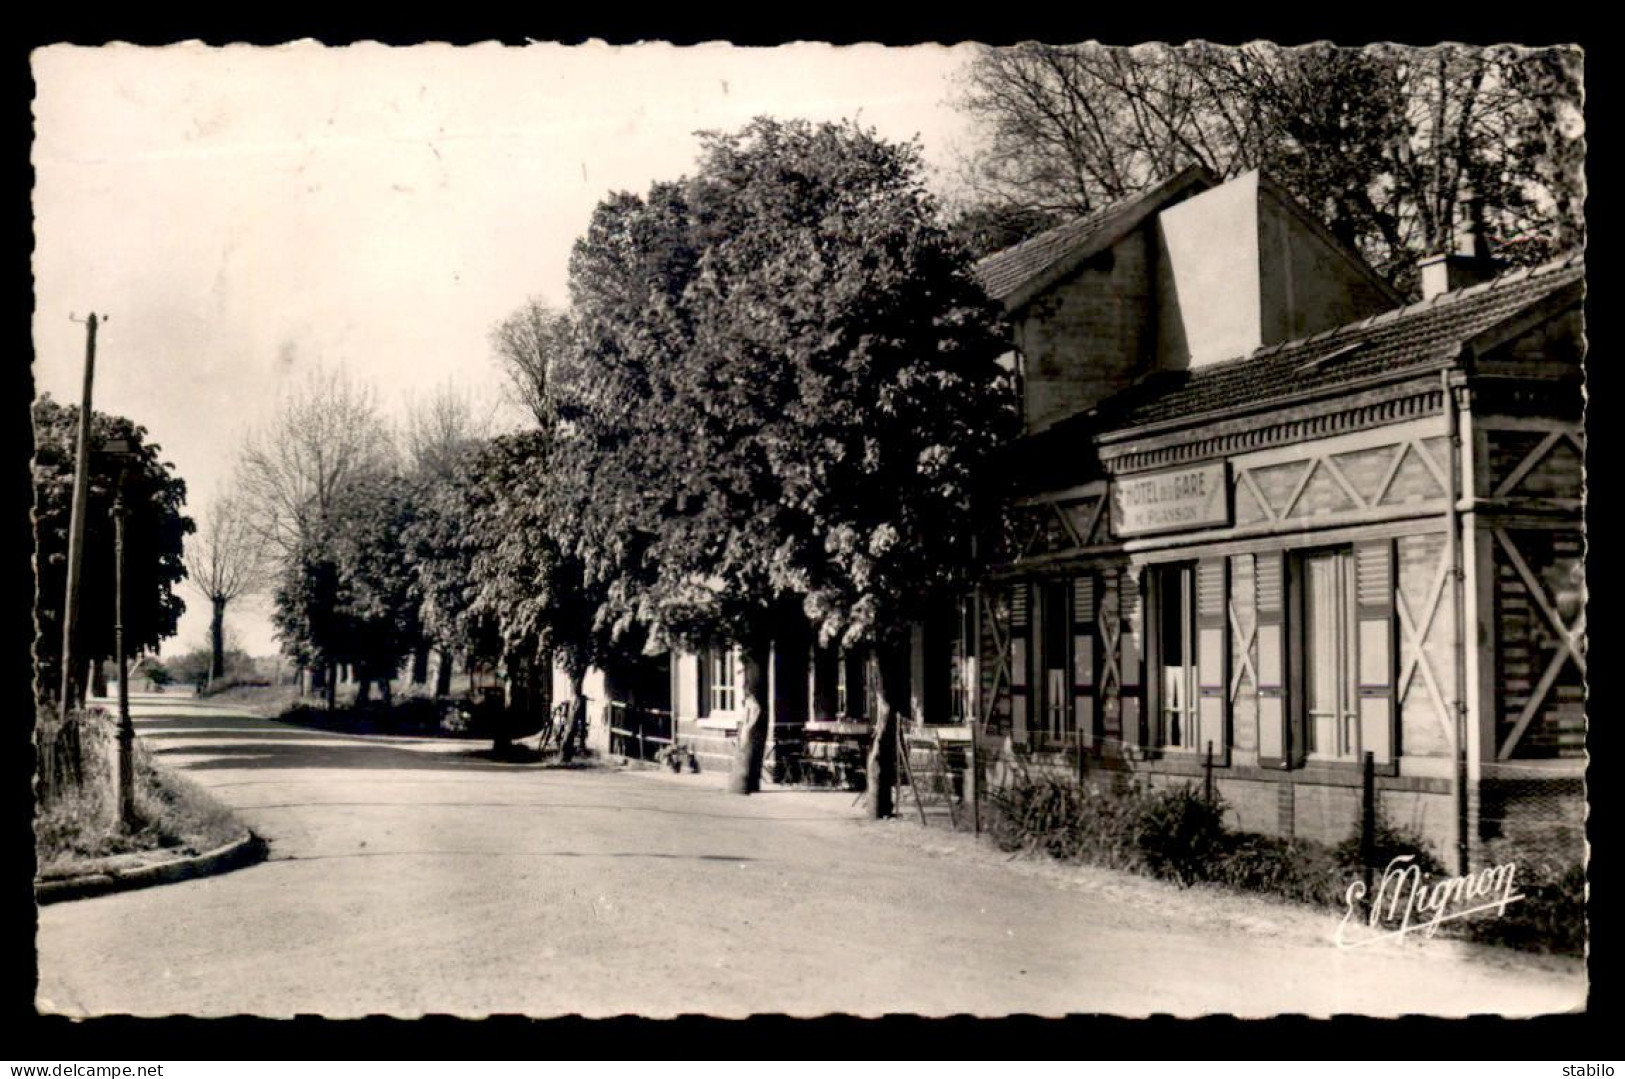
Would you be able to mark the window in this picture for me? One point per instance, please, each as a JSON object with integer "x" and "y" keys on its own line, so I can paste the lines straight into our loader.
{"x": 1055, "y": 637}
{"x": 1174, "y": 641}
{"x": 1330, "y": 661}
{"x": 719, "y": 681}
{"x": 1327, "y": 655}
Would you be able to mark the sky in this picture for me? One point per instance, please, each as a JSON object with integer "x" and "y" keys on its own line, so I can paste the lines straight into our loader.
{"x": 242, "y": 215}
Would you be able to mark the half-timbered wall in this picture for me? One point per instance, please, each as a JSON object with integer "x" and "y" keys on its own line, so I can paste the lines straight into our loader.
{"x": 1426, "y": 637}
{"x": 1381, "y": 496}
{"x": 1540, "y": 650}
{"x": 1529, "y": 517}
{"x": 1366, "y": 476}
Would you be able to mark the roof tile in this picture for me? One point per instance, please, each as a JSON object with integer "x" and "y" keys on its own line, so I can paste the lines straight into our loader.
{"x": 1004, "y": 273}
{"x": 1434, "y": 329}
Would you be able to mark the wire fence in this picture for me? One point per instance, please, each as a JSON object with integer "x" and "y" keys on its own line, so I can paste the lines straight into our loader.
{"x": 1538, "y": 821}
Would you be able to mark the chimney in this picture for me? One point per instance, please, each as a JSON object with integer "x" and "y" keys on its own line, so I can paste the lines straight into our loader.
{"x": 1470, "y": 264}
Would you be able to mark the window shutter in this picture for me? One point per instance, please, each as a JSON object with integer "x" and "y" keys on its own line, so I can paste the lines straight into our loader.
{"x": 1131, "y": 667}
{"x": 1212, "y": 660}
{"x": 1083, "y": 658}
{"x": 1020, "y": 653}
{"x": 1374, "y": 609}
{"x": 1274, "y": 743}
{"x": 704, "y": 695}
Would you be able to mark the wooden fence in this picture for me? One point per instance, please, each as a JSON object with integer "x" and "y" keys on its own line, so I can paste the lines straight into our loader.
{"x": 638, "y": 733}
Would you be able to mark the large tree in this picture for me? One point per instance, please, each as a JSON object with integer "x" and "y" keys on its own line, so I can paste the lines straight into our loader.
{"x": 377, "y": 602}
{"x": 1386, "y": 143}
{"x": 155, "y": 532}
{"x": 773, "y": 350}
{"x": 443, "y": 434}
{"x": 525, "y": 585}
{"x": 225, "y": 562}
{"x": 346, "y": 596}
{"x": 327, "y": 442}
{"x": 440, "y": 545}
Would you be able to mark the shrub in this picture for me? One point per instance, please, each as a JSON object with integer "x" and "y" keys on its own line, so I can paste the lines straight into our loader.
{"x": 236, "y": 680}
{"x": 1177, "y": 834}
{"x": 1551, "y": 916}
{"x": 1036, "y": 813}
{"x": 1296, "y": 869}
{"x": 1181, "y": 834}
{"x": 1389, "y": 841}
{"x": 1173, "y": 834}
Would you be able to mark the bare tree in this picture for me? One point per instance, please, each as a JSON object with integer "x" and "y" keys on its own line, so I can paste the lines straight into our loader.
{"x": 225, "y": 561}
{"x": 1386, "y": 143}
{"x": 527, "y": 343}
{"x": 327, "y": 440}
{"x": 327, "y": 434}
{"x": 442, "y": 431}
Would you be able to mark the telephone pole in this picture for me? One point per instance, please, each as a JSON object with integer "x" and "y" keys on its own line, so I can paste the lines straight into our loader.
{"x": 126, "y": 732}
{"x": 76, "y": 526}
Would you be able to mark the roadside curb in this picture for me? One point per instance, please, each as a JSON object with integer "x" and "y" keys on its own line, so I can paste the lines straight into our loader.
{"x": 241, "y": 852}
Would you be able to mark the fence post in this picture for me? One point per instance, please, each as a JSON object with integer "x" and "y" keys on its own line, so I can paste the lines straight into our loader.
{"x": 1368, "y": 815}
{"x": 1207, "y": 773}
{"x": 972, "y": 775}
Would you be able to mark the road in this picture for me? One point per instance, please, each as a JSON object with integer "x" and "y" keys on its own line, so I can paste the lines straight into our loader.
{"x": 410, "y": 877}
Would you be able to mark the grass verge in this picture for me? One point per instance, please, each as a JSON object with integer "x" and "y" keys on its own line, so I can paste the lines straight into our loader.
{"x": 80, "y": 831}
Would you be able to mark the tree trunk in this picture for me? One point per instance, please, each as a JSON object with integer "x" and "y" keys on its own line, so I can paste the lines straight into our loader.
{"x": 442, "y": 674}
{"x": 892, "y": 662}
{"x": 217, "y": 640}
{"x": 363, "y": 692}
{"x": 746, "y": 774}
{"x": 420, "y": 664}
{"x": 332, "y": 686}
{"x": 577, "y": 717}
{"x": 98, "y": 678}
{"x": 502, "y": 723}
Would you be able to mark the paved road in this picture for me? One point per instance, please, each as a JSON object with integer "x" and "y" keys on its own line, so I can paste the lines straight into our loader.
{"x": 408, "y": 877}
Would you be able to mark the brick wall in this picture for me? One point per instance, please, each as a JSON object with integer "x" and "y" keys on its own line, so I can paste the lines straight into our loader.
{"x": 1087, "y": 338}
{"x": 1558, "y": 472}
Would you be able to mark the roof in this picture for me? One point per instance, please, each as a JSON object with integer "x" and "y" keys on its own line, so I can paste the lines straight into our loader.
{"x": 1017, "y": 274}
{"x": 1432, "y": 332}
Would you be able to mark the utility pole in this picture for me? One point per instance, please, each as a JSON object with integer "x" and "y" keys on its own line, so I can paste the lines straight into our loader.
{"x": 76, "y": 525}
{"x": 126, "y": 730}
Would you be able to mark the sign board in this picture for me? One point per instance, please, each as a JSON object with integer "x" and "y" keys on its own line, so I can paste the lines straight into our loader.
{"x": 1171, "y": 501}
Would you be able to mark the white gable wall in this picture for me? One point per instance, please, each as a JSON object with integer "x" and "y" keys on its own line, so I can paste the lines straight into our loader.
{"x": 1208, "y": 298}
